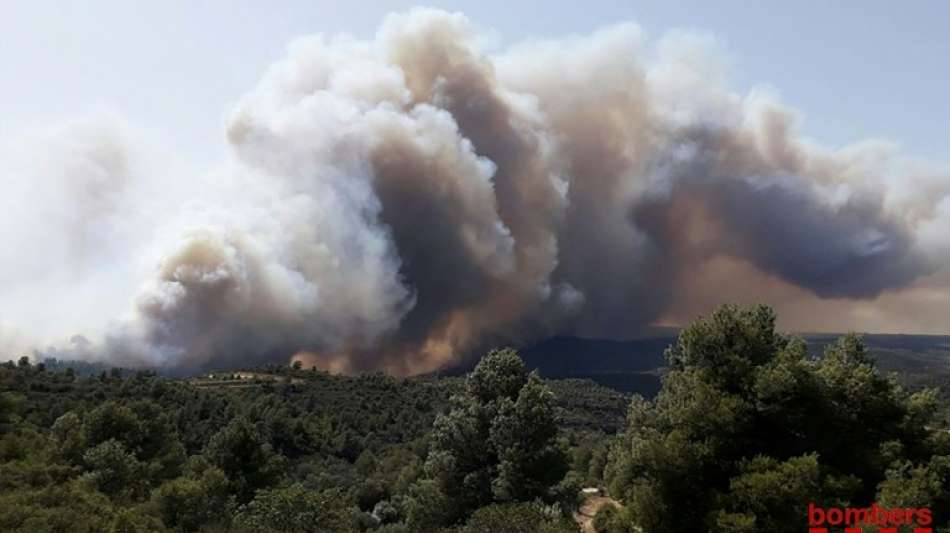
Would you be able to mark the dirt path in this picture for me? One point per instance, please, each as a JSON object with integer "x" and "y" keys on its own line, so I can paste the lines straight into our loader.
{"x": 585, "y": 515}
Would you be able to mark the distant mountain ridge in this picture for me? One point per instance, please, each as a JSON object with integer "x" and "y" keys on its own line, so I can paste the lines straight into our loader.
{"x": 635, "y": 366}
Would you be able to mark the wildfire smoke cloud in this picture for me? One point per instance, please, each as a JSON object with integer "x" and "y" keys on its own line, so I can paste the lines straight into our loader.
{"x": 392, "y": 203}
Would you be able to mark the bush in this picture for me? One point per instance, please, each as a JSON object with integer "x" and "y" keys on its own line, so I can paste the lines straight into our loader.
{"x": 609, "y": 519}
{"x": 189, "y": 503}
{"x": 748, "y": 429}
{"x": 499, "y": 442}
{"x": 295, "y": 509}
{"x": 519, "y": 518}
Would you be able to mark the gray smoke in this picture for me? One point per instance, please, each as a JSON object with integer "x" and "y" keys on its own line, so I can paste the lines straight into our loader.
{"x": 398, "y": 202}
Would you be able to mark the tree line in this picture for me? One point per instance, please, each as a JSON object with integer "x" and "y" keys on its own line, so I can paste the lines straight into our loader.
{"x": 747, "y": 430}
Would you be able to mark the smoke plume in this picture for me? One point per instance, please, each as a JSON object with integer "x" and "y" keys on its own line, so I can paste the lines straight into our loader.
{"x": 395, "y": 203}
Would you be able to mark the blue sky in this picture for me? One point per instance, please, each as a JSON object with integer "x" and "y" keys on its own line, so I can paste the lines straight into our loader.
{"x": 868, "y": 69}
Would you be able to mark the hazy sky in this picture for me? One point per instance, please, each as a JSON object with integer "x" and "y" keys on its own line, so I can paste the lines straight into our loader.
{"x": 868, "y": 69}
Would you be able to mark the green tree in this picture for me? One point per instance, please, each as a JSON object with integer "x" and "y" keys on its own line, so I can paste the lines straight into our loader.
{"x": 133, "y": 520}
{"x": 112, "y": 469}
{"x": 609, "y": 519}
{"x": 748, "y": 428}
{"x": 518, "y": 518}
{"x": 245, "y": 457}
{"x": 498, "y": 443}
{"x": 921, "y": 486}
{"x": 428, "y": 508}
{"x": 111, "y": 421}
{"x": 61, "y": 508}
{"x": 67, "y": 430}
{"x": 187, "y": 503}
{"x": 9, "y": 407}
{"x": 143, "y": 429}
{"x": 295, "y": 509}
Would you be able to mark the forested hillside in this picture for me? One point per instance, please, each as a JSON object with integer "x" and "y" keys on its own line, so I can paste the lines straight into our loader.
{"x": 146, "y": 453}
{"x": 748, "y": 428}
{"x": 635, "y": 366}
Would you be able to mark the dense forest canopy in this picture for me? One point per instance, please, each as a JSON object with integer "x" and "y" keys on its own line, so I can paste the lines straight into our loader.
{"x": 747, "y": 430}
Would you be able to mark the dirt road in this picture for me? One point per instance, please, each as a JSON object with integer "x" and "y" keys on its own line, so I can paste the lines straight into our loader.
{"x": 585, "y": 515}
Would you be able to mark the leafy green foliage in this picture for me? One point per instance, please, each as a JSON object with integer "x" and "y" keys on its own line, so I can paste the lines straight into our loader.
{"x": 609, "y": 519}
{"x": 518, "y": 518}
{"x": 498, "y": 443}
{"x": 189, "y": 502}
{"x": 292, "y": 447}
{"x": 295, "y": 509}
{"x": 111, "y": 469}
{"x": 748, "y": 429}
{"x": 241, "y": 452}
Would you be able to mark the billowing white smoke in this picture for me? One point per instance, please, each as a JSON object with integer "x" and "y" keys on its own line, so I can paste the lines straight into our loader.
{"x": 392, "y": 203}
